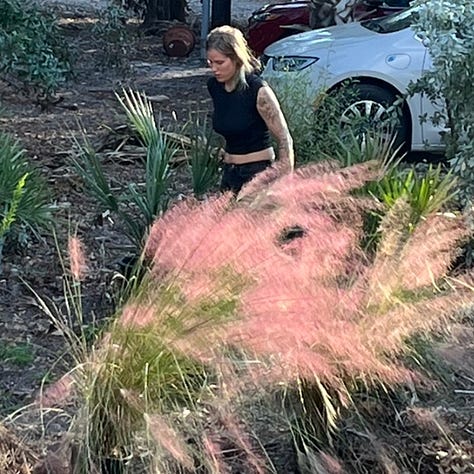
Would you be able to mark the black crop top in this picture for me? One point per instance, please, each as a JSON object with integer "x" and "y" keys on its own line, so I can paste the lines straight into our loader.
{"x": 236, "y": 117}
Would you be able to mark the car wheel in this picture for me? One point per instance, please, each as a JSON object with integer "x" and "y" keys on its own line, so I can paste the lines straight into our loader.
{"x": 368, "y": 109}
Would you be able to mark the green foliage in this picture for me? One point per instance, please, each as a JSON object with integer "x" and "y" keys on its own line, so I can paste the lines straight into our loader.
{"x": 447, "y": 27}
{"x": 313, "y": 119}
{"x": 21, "y": 354}
{"x": 143, "y": 376}
{"x": 33, "y": 51}
{"x": 202, "y": 155}
{"x": 112, "y": 37}
{"x": 12, "y": 208}
{"x": 352, "y": 149}
{"x": 427, "y": 191}
{"x": 135, "y": 206}
{"x": 24, "y": 199}
{"x": 139, "y": 369}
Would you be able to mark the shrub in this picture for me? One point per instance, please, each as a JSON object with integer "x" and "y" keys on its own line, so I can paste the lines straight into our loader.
{"x": 355, "y": 148}
{"x": 446, "y": 26}
{"x": 112, "y": 37}
{"x": 313, "y": 118}
{"x": 33, "y": 51}
{"x": 426, "y": 192}
{"x": 24, "y": 199}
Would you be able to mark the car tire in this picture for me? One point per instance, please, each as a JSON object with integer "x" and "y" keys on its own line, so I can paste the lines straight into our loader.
{"x": 370, "y": 102}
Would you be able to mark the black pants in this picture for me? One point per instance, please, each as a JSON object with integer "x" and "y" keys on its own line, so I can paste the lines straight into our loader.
{"x": 235, "y": 176}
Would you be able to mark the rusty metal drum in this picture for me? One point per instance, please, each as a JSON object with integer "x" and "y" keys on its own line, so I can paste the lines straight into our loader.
{"x": 179, "y": 41}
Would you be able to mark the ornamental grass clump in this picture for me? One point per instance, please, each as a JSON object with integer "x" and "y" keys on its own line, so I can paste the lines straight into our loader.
{"x": 238, "y": 305}
{"x": 316, "y": 311}
{"x": 310, "y": 303}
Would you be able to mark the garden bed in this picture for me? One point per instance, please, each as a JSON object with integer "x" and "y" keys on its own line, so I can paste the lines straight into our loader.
{"x": 32, "y": 349}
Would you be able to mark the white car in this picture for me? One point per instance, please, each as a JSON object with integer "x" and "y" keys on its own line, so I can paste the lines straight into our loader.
{"x": 380, "y": 57}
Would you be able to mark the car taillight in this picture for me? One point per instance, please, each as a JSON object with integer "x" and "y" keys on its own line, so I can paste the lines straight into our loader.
{"x": 264, "y": 17}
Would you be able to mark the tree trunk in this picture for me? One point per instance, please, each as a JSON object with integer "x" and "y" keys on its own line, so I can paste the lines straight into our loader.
{"x": 220, "y": 12}
{"x": 164, "y": 10}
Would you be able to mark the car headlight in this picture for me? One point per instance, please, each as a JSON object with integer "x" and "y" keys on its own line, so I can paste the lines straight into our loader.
{"x": 292, "y": 63}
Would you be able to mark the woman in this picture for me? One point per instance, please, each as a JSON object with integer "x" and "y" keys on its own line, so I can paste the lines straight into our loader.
{"x": 246, "y": 110}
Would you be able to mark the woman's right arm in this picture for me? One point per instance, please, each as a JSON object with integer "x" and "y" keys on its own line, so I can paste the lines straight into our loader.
{"x": 270, "y": 110}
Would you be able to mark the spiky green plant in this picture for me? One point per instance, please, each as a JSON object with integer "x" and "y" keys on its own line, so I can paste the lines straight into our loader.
{"x": 202, "y": 155}
{"x": 353, "y": 149}
{"x": 24, "y": 199}
{"x": 139, "y": 204}
{"x": 428, "y": 191}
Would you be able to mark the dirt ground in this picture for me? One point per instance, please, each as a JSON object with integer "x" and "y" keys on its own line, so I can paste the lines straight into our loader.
{"x": 432, "y": 430}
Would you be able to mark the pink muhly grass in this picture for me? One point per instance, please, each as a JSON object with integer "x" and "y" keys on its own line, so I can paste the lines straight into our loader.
{"x": 58, "y": 393}
{"x": 184, "y": 228}
{"x": 431, "y": 250}
{"x": 210, "y": 241}
{"x": 386, "y": 333}
{"x": 308, "y": 184}
{"x": 77, "y": 259}
{"x": 306, "y": 331}
{"x": 169, "y": 439}
{"x": 137, "y": 316}
{"x": 315, "y": 306}
{"x": 237, "y": 434}
{"x": 214, "y": 453}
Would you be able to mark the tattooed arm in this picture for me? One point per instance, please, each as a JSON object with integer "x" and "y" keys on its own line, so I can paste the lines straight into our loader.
{"x": 269, "y": 108}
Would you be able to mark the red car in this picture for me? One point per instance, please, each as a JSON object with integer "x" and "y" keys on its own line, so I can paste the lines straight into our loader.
{"x": 276, "y": 21}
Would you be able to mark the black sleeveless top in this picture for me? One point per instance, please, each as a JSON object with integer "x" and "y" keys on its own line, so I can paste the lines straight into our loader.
{"x": 236, "y": 117}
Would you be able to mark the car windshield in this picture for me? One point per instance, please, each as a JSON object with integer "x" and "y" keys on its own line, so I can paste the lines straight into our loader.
{"x": 392, "y": 23}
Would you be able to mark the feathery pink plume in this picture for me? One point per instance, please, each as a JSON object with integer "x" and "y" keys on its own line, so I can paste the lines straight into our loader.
{"x": 169, "y": 439}
{"x": 135, "y": 315}
{"x": 77, "y": 259}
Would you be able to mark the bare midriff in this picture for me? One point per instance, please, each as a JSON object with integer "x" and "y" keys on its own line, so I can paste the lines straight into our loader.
{"x": 268, "y": 154}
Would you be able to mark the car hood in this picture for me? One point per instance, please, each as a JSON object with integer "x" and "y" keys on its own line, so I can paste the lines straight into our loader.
{"x": 304, "y": 44}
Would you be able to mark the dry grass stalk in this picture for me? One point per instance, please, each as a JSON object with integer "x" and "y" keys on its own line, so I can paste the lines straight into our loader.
{"x": 15, "y": 456}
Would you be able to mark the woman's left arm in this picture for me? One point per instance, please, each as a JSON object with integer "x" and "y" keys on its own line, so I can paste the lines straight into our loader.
{"x": 270, "y": 110}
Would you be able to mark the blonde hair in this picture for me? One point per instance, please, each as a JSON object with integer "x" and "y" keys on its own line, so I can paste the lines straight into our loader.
{"x": 231, "y": 42}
